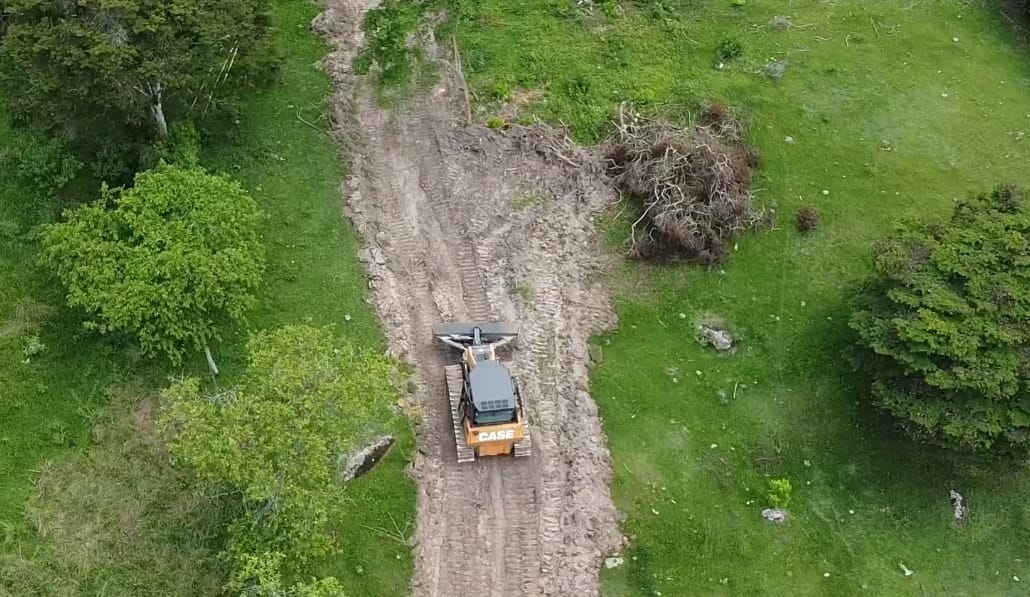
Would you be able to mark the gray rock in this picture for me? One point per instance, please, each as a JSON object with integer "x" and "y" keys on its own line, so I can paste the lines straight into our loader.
{"x": 362, "y": 461}
{"x": 614, "y": 562}
{"x": 720, "y": 339}
{"x": 775, "y": 515}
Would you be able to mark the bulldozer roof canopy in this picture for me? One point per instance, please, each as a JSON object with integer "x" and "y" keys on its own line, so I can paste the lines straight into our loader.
{"x": 491, "y": 387}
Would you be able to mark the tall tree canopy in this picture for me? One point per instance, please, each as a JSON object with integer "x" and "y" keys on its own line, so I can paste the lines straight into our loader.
{"x": 116, "y": 72}
{"x": 167, "y": 260}
{"x": 944, "y": 330}
{"x": 276, "y": 441}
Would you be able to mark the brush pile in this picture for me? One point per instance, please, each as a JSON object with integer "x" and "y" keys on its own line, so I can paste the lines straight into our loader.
{"x": 691, "y": 185}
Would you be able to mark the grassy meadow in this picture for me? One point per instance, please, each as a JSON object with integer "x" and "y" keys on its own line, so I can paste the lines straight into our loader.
{"x": 87, "y": 505}
{"x": 893, "y": 109}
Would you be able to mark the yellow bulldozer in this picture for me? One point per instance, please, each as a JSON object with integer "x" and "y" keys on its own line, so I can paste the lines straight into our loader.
{"x": 487, "y": 411}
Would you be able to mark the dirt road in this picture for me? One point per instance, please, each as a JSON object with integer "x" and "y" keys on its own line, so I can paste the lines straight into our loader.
{"x": 466, "y": 223}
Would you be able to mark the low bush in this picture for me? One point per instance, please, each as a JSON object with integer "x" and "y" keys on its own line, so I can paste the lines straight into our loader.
{"x": 943, "y": 329}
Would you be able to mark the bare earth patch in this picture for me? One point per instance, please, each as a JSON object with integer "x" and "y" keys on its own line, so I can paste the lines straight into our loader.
{"x": 445, "y": 240}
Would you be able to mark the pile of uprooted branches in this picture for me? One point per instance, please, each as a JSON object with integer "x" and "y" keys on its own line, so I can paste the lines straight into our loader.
{"x": 692, "y": 185}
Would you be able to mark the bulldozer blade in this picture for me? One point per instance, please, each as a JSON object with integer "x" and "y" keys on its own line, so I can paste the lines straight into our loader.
{"x": 489, "y": 332}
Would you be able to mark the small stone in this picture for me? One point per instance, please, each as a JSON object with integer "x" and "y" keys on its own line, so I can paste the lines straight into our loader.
{"x": 808, "y": 463}
{"x": 1015, "y": 578}
{"x": 944, "y": 95}
{"x": 347, "y": 317}
{"x": 954, "y": 39}
{"x": 683, "y": 315}
{"x": 613, "y": 562}
{"x": 851, "y": 511}
{"x": 720, "y": 339}
{"x": 789, "y": 139}
{"x": 826, "y": 192}
{"x": 714, "y": 446}
{"x": 826, "y": 575}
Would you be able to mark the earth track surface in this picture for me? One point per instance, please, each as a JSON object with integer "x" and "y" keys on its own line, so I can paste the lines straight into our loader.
{"x": 463, "y": 223}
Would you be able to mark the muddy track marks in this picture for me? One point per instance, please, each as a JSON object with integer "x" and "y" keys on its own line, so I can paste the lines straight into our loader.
{"x": 432, "y": 199}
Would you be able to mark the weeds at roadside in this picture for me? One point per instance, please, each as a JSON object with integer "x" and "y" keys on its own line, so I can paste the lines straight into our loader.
{"x": 391, "y": 52}
{"x": 525, "y": 292}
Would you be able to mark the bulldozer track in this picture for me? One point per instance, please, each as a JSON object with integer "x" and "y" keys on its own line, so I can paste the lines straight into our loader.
{"x": 431, "y": 199}
{"x": 454, "y": 384}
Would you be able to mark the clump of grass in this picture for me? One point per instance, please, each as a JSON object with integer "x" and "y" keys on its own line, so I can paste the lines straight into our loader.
{"x": 525, "y": 292}
{"x": 526, "y": 201}
{"x": 119, "y": 513}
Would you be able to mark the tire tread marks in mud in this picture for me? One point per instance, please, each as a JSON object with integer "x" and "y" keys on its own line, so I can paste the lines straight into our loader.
{"x": 432, "y": 199}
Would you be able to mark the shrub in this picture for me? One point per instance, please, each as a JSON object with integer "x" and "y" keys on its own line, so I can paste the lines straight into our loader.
{"x": 728, "y": 49}
{"x": 180, "y": 148}
{"x": 943, "y": 328}
{"x": 45, "y": 163}
{"x": 807, "y": 219}
{"x": 779, "y": 493}
{"x": 33, "y": 346}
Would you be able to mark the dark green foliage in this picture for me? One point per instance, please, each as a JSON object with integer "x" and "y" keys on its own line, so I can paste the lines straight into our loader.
{"x": 728, "y": 49}
{"x": 945, "y": 326}
{"x": 45, "y": 164}
{"x": 167, "y": 260}
{"x": 110, "y": 76}
{"x": 181, "y": 147}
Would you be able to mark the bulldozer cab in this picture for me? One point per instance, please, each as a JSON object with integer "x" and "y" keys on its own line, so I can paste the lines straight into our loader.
{"x": 493, "y": 394}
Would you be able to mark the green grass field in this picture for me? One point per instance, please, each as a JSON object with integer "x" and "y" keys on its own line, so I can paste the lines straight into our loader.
{"x": 696, "y": 435}
{"x": 56, "y": 406}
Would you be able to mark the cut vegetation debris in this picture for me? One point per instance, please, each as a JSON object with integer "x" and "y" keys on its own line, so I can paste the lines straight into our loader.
{"x": 691, "y": 185}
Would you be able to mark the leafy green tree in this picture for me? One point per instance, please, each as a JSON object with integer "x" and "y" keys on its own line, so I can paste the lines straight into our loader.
{"x": 944, "y": 330}
{"x": 260, "y": 575}
{"x": 122, "y": 70}
{"x": 167, "y": 260}
{"x": 276, "y": 441}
